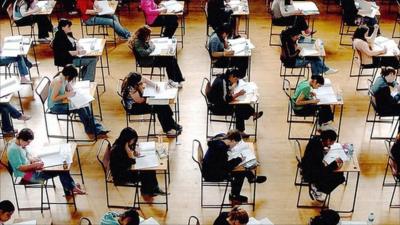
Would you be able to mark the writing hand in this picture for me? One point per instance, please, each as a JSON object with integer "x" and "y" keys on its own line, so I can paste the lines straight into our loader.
{"x": 241, "y": 92}
{"x": 339, "y": 162}
{"x": 376, "y": 26}
{"x": 315, "y": 101}
{"x": 229, "y": 52}
{"x": 70, "y": 93}
{"x": 163, "y": 10}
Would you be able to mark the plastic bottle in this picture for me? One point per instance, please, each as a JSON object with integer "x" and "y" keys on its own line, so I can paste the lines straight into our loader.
{"x": 247, "y": 48}
{"x": 371, "y": 218}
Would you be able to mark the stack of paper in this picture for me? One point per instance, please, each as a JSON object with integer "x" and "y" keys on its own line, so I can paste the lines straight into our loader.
{"x": 149, "y": 221}
{"x": 326, "y": 95}
{"x": 250, "y": 88}
{"x": 163, "y": 92}
{"x": 82, "y": 96}
{"x": 163, "y": 46}
{"x": 254, "y": 221}
{"x": 240, "y": 150}
{"x": 30, "y": 222}
{"x": 307, "y": 7}
{"x": 352, "y": 223}
{"x": 104, "y": 7}
{"x": 148, "y": 156}
{"x": 54, "y": 155}
{"x": 336, "y": 151}
{"x": 238, "y": 45}
{"x": 8, "y": 86}
{"x": 392, "y": 48}
{"x": 172, "y": 6}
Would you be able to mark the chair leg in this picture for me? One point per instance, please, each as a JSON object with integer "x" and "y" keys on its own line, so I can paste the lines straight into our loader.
{"x": 223, "y": 198}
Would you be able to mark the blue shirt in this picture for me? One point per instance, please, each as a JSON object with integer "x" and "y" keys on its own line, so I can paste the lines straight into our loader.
{"x": 215, "y": 44}
{"x": 50, "y": 102}
{"x": 17, "y": 157}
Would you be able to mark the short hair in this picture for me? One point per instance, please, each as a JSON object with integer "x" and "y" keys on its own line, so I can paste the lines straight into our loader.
{"x": 387, "y": 70}
{"x": 7, "y": 206}
{"x": 63, "y": 23}
{"x": 359, "y": 33}
{"x": 328, "y": 134}
{"x": 224, "y": 28}
{"x": 132, "y": 216}
{"x": 25, "y": 134}
{"x": 234, "y": 73}
{"x": 70, "y": 71}
{"x": 233, "y": 135}
{"x": 238, "y": 214}
{"x": 320, "y": 79}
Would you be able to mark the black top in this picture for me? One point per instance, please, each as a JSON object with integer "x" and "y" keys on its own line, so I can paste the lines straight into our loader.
{"x": 218, "y": 13}
{"x": 288, "y": 50}
{"x": 221, "y": 219}
{"x": 349, "y": 12}
{"x": 120, "y": 164}
{"x": 385, "y": 102}
{"x": 313, "y": 168}
{"x": 61, "y": 47}
{"x": 219, "y": 93}
{"x": 216, "y": 166}
{"x": 395, "y": 151}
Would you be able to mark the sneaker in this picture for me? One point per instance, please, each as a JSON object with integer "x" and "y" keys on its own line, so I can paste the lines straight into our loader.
{"x": 44, "y": 40}
{"x": 158, "y": 191}
{"x": 244, "y": 135}
{"x": 25, "y": 80}
{"x": 326, "y": 126}
{"x": 258, "y": 179}
{"x": 173, "y": 84}
{"x": 104, "y": 132}
{"x": 331, "y": 71}
{"x": 320, "y": 197}
{"x": 73, "y": 12}
{"x": 24, "y": 117}
{"x": 258, "y": 115}
{"x": 313, "y": 192}
{"x": 238, "y": 198}
{"x": 173, "y": 133}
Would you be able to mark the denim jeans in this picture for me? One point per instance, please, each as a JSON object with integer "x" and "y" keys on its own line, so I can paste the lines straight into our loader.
{"x": 84, "y": 114}
{"x": 88, "y": 64}
{"x": 7, "y": 110}
{"x": 109, "y": 21}
{"x": 22, "y": 62}
{"x": 65, "y": 178}
{"x": 317, "y": 65}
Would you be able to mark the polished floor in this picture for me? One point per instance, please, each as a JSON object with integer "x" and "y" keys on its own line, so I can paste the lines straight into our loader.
{"x": 276, "y": 199}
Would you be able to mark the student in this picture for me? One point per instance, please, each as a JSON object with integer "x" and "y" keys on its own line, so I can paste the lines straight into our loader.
{"x": 30, "y": 169}
{"x": 69, "y": 6}
{"x": 7, "y": 110}
{"x": 386, "y": 104}
{"x": 305, "y": 104}
{"x": 6, "y": 211}
{"x": 24, "y": 14}
{"x": 351, "y": 17}
{"x": 281, "y": 16}
{"x": 132, "y": 93}
{"x": 153, "y": 18}
{"x": 395, "y": 152}
{"x": 66, "y": 51}
{"x": 290, "y": 54}
{"x": 216, "y": 166}
{"x": 89, "y": 12}
{"x": 237, "y": 216}
{"x": 369, "y": 57}
{"x": 60, "y": 90}
{"x": 23, "y": 66}
{"x": 142, "y": 47}
{"x": 326, "y": 217}
{"x": 129, "y": 217}
{"x": 322, "y": 178}
{"x": 218, "y": 49}
{"x": 219, "y": 13}
{"x": 221, "y": 94}
{"x": 123, "y": 154}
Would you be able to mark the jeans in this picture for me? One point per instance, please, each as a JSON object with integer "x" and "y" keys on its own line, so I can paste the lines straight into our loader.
{"x": 84, "y": 114}
{"x": 7, "y": 110}
{"x": 22, "y": 62}
{"x": 65, "y": 179}
{"x": 109, "y": 21}
{"x": 88, "y": 70}
{"x": 317, "y": 65}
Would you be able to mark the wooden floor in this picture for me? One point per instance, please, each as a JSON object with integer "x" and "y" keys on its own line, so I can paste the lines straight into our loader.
{"x": 276, "y": 199}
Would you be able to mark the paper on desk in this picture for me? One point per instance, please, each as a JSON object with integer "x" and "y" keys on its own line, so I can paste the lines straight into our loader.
{"x": 326, "y": 95}
{"x": 149, "y": 221}
{"x": 147, "y": 146}
{"x": 248, "y": 87}
{"x": 352, "y": 223}
{"x": 381, "y": 42}
{"x": 147, "y": 161}
{"x": 336, "y": 151}
{"x": 29, "y": 222}
{"x": 254, "y": 221}
{"x": 172, "y": 6}
{"x": 162, "y": 45}
{"x": 105, "y": 8}
{"x": 54, "y": 155}
{"x": 241, "y": 149}
{"x": 81, "y": 99}
{"x": 308, "y": 7}
{"x": 8, "y": 86}
{"x": 89, "y": 45}
{"x": 164, "y": 91}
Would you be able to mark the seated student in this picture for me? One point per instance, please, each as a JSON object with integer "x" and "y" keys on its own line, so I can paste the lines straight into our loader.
{"x": 351, "y": 17}
{"x": 326, "y": 217}
{"x": 218, "y": 49}
{"x": 221, "y": 94}
{"x": 60, "y": 90}
{"x": 142, "y": 47}
{"x": 395, "y": 152}
{"x": 304, "y": 102}
{"x": 219, "y": 14}
{"x": 237, "y": 216}
{"x": 132, "y": 93}
{"x": 6, "y": 211}
{"x": 369, "y": 57}
{"x": 129, "y": 217}
{"x": 322, "y": 178}
{"x": 89, "y": 11}
{"x": 7, "y": 110}
{"x": 66, "y": 51}
{"x": 216, "y": 166}
{"x": 30, "y": 169}
{"x": 290, "y": 54}
{"x": 69, "y": 6}
{"x": 281, "y": 16}
{"x": 123, "y": 154}
{"x": 153, "y": 18}
{"x": 23, "y": 66}
{"x": 24, "y": 14}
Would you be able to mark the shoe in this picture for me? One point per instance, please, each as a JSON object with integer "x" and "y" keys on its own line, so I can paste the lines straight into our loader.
{"x": 44, "y": 40}
{"x": 313, "y": 192}
{"x": 180, "y": 85}
{"x": 238, "y": 198}
{"x": 104, "y": 132}
{"x": 236, "y": 36}
{"x": 24, "y": 117}
{"x": 158, "y": 191}
{"x": 73, "y": 12}
{"x": 326, "y": 126}
{"x": 331, "y": 71}
{"x": 173, "y": 133}
{"x": 244, "y": 135}
{"x": 173, "y": 84}
{"x": 178, "y": 127}
{"x": 258, "y": 115}
{"x": 25, "y": 80}
{"x": 320, "y": 197}
{"x": 78, "y": 190}
{"x": 258, "y": 179}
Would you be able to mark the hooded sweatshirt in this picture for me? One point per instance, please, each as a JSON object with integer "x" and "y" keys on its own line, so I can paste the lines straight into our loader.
{"x": 110, "y": 218}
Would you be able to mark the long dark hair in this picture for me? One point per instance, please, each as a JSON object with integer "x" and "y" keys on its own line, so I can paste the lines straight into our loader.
{"x": 360, "y": 32}
{"x": 132, "y": 79}
{"x": 143, "y": 33}
{"x": 126, "y": 135}
{"x": 69, "y": 72}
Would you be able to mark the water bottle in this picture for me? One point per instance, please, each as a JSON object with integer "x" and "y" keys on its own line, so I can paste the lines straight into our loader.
{"x": 371, "y": 218}
{"x": 21, "y": 47}
{"x": 351, "y": 151}
{"x": 247, "y": 49}
{"x": 339, "y": 95}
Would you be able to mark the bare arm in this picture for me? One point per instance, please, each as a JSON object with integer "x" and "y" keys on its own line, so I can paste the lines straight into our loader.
{"x": 302, "y": 101}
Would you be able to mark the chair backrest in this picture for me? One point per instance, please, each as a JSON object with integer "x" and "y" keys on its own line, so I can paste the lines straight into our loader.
{"x": 103, "y": 156}
{"x": 205, "y": 88}
{"x": 394, "y": 168}
{"x": 371, "y": 95}
{"x": 287, "y": 88}
{"x": 42, "y": 90}
{"x": 197, "y": 153}
{"x": 119, "y": 87}
{"x": 4, "y": 161}
{"x": 194, "y": 219}
{"x": 85, "y": 221}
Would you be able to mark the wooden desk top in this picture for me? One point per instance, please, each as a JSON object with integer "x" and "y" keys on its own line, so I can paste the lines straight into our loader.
{"x": 163, "y": 162}
{"x": 175, "y": 13}
{"x": 46, "y": 7}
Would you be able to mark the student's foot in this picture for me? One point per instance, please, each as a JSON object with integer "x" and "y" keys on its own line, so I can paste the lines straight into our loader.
{"x": 244, "y": 135}
{"x": 257, "y": 115}
{"x": 104, "y": 132}
{"x": 326, "y": 126}
{"x": 158, "y": 191}
{"x": 173, "y": 133}
{"x": 78, "y": 191}
{"x": 10, "y": 133}
{"x": 24, "y": 117}
{"x": 44, "y": 40}
{"x": 258, "y": 179}
{"x": 315, "y": 194}
{"x": 178, "y": 127}
{"x": 173, "y": 84}
{"x": 238, "y": 198}
{"x": 25, "y": 80}
{"x": 331, "y": 71}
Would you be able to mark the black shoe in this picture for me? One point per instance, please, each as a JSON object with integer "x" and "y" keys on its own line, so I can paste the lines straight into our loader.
{"x": 258, "y": 179}
{"x": 178, "y": 127}
{"x": 258, "y": 115}
{"x": 244, "y": 135}
{"x": 103, "y": 132}
{"x": 238, "y": 198}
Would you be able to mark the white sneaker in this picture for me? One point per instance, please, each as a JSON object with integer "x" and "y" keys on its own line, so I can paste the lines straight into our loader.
{"x": 331, "y": 71}
{"x": 327, "y": 126}
{"x": 173, "y": 84}
{"x": 25, "y": 80}
{"x": 320, "y": 197}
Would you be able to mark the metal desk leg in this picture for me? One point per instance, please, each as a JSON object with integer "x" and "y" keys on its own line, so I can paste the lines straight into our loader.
{"x": 355, "y": 197}
{"x": 79, "y": 164}
{"x": 340, "y": 122}
{"x": 98, "y": 102}
{"x": 166, "y": 190}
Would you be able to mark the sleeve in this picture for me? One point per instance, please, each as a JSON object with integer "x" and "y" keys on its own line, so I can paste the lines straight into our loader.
{"x": 148, "y": 9}
{"x": 216, "y": 95}
{"x": 141, "y": 49}
{"x": 14, "y": 158}
{"x": 282, "y": 8}
{"x": 233, "y": 163}
{"x": 214, "y": 45}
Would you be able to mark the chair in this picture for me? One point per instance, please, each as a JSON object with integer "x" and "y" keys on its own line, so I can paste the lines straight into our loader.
{"x": 103, "y": 157}
{"x": 17, "y": 181}
{"x": 197, "y": 156}
{"x": 195, "y": 219}
{"x": 208, "y": 26}
{"x": 213, "y": 62}
{"x": 377, "y": 117}
{"x": 102, "y": 30}
{"x": 14, "y": 25}
{"x": 291, "y": 115}
{"x": 139, "y": 64}
{"x": 361, "y": 69}
{"x": 396, "y": 22}
{"x": 85, "y": 221}
{"x": 271, "y": 28}
{"x": 396, "y": 176}
{"x": 42, "y": 90}
{"x": 205, "y": 89}
{"x": 345, "y": 30}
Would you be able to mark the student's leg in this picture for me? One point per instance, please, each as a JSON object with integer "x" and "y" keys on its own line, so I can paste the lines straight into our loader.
{"x": 44, "y": 25}
{"x": 317, "y": 66}
{"x": 325, "y": 114}
{"x": 242, "y": 113}
{"x": 21, "y": 62}
{"x": 173, "y": 71}
{"x": 6, "y": 110}
{"x": 328, "y": 183}
{"x": 306, "y": 110}
{"x": 165, "y": 116}
{"x": 88, "y": 121}
{"x": 237, "y": 183}
{"x": 88, "y": 69}
{"x": 149, "y": 182}
{"x": 170, "y": 23}
{"x": 300, "y": 23}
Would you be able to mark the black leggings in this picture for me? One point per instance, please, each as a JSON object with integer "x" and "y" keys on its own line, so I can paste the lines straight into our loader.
{"x": 170, "y": 24}
{"x": 148, "y": 180}
{"x": 327, "y": 184}
{"x": 164, "y": 114}
{"x": 298, "y": 22}
{"x": 173, "y": 71}
{"x": 238, "y": 179}
{"x": 324, "y": 112}
{"x": 242, "y": 113}
{"x": 43, "y": 23}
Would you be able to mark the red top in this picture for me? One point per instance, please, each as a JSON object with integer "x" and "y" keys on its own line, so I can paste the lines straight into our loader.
{"x": 82, "y": 6}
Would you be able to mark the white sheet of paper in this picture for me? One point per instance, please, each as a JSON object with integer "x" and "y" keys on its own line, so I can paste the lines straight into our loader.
{"x": 308, "y": 7}
{"x": 241, "y": 149}
{"x": 172, "y": 6}
{"x": 29, "y": 222}
{"x": 90, "y": 44}
{"x": 147, "y": 161}
{"x": 254, "y": 221}
{"x": 8, "y": 86}
{"x": 336, "y": 151}
{"x": 392, "y": 48}
{"x": 105, "y": 8}
{"x": 162, "y": 45}
{"x": 81, "y": 99}
{"x": 326, "y": 95}
{"x": 53, "y": 155}
{"x": 149, "y": 221}
{"x": 147, "y": 146}
{"x": 164, "y": 91}
{"x": 352, "y": 223}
